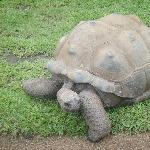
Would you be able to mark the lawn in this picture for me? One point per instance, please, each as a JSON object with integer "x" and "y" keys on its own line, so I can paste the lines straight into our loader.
{"x": 33, "y": 27}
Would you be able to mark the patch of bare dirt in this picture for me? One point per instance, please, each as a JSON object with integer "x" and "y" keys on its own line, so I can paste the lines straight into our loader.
{"x": 12, "y": 59}
{"x": 117, "y": 142}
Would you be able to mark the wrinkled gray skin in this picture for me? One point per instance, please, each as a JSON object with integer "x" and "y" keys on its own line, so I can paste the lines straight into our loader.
{"x": 73, "y": 97}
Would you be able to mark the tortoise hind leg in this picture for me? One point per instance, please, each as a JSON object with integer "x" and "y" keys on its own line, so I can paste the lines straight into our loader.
{"x": 143, "y": 97}
{"x": 95, "y": 115}
{"x": 43, "y": 87}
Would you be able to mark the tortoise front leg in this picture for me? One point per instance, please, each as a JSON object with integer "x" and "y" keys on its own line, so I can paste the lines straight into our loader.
{"x": 95, "y": 115}
{"x": 43, "y": 87}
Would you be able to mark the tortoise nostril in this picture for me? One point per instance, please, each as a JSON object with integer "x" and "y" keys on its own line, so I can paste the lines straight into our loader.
{"x": 67, "y": 104}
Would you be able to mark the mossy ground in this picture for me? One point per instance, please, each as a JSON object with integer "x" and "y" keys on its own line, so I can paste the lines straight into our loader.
{"x": 33, "y": 27}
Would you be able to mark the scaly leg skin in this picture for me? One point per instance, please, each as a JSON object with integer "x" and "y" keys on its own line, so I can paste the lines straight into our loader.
{"x": 141, "y": 98}
{"x": 43, "y": 87}
{"x": 95, "y": 115}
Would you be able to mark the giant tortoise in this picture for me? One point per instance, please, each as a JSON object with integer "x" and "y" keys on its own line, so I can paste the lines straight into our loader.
{"x": 100, "y": 63}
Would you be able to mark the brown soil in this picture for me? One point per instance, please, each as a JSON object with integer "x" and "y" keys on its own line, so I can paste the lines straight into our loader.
{"x": 118, "y": 142}
{"x": 12, "y": 59}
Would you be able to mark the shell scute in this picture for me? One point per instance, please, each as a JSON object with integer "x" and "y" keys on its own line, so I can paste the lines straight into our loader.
{"x": 112, "y": 49}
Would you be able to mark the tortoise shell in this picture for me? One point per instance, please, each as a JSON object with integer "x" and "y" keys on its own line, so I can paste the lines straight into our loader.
{"x": 111, "y": 53}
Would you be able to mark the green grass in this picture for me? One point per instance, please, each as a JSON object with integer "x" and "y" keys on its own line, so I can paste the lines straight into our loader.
{"x": 33, "y": 27}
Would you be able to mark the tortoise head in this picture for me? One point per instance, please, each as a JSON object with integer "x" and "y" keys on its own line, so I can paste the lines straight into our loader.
{"x": 68, "y": 100}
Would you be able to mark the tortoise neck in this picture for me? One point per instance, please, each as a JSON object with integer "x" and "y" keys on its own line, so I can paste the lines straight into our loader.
{"x": 68, "y": 84}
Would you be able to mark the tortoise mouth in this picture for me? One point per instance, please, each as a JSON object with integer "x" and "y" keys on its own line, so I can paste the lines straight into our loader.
{"x": 80, "y": 76}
